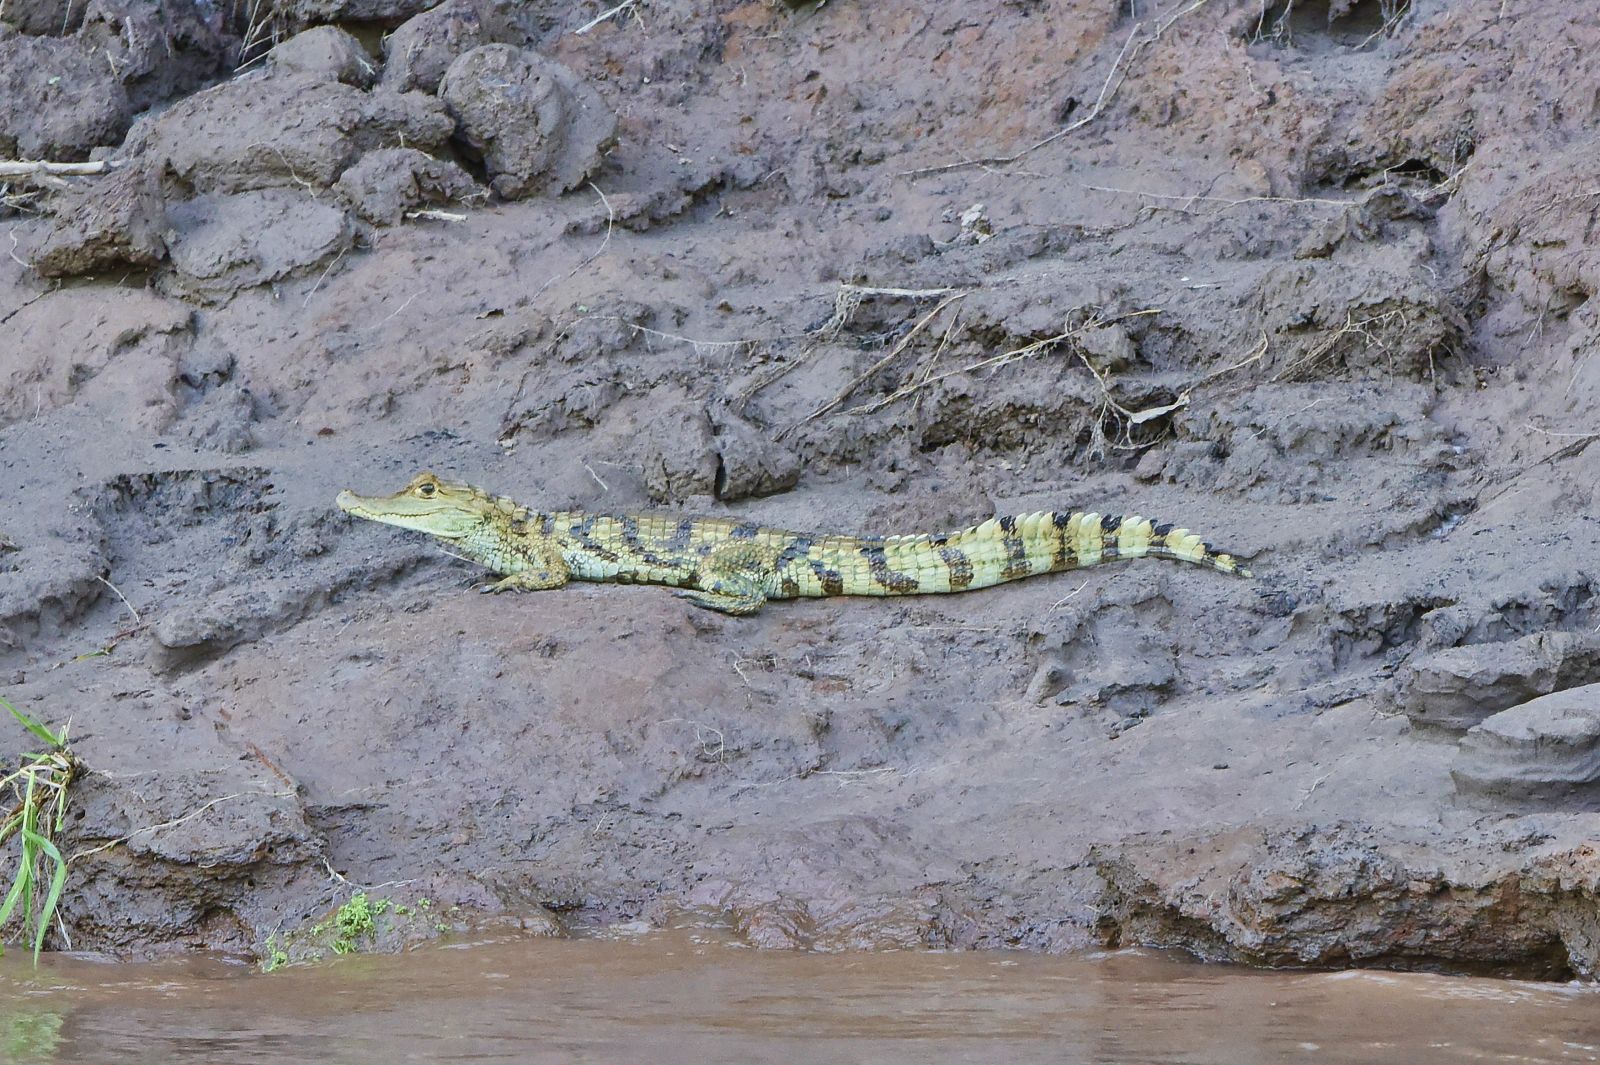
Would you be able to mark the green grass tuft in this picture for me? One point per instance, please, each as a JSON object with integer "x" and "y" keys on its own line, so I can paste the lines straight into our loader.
{"x": 40, "y": 785}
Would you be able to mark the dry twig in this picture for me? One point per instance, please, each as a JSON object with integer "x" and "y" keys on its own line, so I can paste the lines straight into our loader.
{"x": 894, "y": 353}
{"x": 845, "y": 304}
{"x": 137, "y": 620}
{"x": 33, "y": 168}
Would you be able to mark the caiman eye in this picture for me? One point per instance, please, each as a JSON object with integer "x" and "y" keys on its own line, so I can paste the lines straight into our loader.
{"x": 425, "y": 490}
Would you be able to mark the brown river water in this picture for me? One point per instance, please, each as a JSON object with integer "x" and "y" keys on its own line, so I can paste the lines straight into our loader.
{"x": 668, "y": 997}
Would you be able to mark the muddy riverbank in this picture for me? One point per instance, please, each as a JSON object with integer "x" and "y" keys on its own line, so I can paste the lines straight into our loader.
{"x": 1314, "y": 279}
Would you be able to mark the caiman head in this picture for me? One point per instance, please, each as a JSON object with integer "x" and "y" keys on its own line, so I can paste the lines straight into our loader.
{"x": 449, "y": 510}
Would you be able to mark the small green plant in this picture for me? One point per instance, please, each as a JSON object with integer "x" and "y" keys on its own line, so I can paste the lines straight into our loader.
{"x": 277, "y": 957}
{"x": 355, "y": 920}
{"x": 40, "y": 785}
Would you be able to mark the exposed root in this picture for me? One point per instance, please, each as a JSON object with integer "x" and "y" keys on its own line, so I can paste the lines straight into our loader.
{"x": 845, "y": 304}
{"x": 175, "y": 822}
{"x": 1187, "y": 202}
{"x": 626, "y": 7}
{"x": 1027, "y": 351}
{"x": 1372, "y": 331}
{"x": 1145, "y": 32}
{"x": 857, "y": 381}
{"x": 605, "y": 242}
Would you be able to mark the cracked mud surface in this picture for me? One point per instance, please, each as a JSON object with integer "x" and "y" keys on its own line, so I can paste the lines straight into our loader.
{"x": 1317, "y": 286}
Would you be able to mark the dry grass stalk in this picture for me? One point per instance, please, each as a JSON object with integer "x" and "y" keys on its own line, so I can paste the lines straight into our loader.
{"x": 626, "y": 7}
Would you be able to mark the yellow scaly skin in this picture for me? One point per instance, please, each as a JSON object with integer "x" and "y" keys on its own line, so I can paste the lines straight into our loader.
{"x": 735, "y": 567}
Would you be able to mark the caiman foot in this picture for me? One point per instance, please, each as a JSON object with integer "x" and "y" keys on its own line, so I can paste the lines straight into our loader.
{"x": 737, "y": 605}
{"x": 527, "y": 581}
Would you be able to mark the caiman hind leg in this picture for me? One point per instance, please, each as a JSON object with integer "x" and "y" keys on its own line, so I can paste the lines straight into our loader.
{"x": 738, "y": 596}
{"x": 730, "y": 580}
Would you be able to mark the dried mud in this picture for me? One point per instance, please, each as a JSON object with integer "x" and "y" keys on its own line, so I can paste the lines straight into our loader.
{"x": 1316, "y": 279}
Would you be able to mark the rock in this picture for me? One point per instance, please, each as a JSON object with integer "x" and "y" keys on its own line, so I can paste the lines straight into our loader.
{"x": 1333, "y": 895}
{"x": 385, "y": 184}
{"x": 226, "y": 243}
{"x": 1547, "y": 748}
{"x": 535, "y": 125}
{"x": 417, "y": 54}
{"x": 1458, "y": 687}
{"x": 293, "y": 130}
{"x": 116, "y": 222}
{"x": 326, "y": 53}
{"x": 58, "y": 99}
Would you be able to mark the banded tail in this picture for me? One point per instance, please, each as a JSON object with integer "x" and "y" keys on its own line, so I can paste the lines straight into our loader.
{"x": 990, "y": 553}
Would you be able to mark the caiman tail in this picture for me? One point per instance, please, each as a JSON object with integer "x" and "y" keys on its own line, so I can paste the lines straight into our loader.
{"x": 993, "y": 552}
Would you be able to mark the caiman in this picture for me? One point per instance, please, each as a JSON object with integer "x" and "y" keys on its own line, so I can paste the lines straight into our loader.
{"x": 736, "y": 566}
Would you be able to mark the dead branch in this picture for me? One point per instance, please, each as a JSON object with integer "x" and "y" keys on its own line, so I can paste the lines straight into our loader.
{"x": 35, "y": 168}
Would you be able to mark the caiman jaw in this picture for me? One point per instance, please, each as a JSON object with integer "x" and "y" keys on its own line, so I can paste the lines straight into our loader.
{"x": 427, "y": 504}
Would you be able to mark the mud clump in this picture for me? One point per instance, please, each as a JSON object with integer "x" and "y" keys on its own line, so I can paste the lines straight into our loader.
{"x": 227, "y": 243}
{"x": 65, "y": 114}
{"x": 76, "y": 75}
{"x": 120, "y": 222}
{"x": 285, "y": 130}
{"x": 417, "y": 54}
{"x": 534, "y": 124}
{"x": 1335, "y": 897}
{"x": 42, "y": 18}
{"x": 386, "y": 184}
{"x": 1460, "y": 687}
{"x": 324, "y": 52}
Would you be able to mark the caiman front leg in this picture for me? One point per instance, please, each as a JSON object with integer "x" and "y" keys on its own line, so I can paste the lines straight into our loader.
{"x": 545, "y": 569}
{"x": 529, "y": 581}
